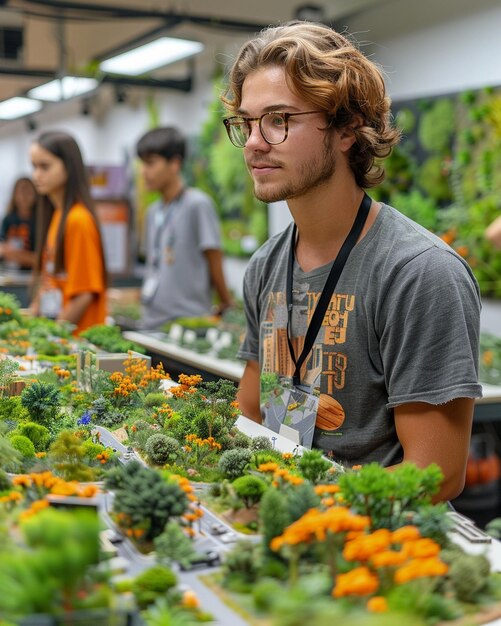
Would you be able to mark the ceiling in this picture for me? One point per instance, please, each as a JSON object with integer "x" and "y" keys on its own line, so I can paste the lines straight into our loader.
{"x": 67, "y": 37}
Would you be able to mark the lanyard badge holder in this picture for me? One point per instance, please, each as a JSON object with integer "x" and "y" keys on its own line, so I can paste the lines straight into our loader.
{"x": 291, "y": 409}
{"x": 152, "y": 281}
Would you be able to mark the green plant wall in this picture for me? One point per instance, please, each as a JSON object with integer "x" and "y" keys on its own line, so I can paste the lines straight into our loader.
{"x": 446, "y": 174}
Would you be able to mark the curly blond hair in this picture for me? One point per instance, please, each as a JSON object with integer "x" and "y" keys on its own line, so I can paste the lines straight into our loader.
{"x": 325, "y": 69}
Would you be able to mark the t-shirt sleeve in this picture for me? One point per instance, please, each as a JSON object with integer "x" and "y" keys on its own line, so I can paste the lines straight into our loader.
{"x": 249, "y": 350}
{"x": 429, "y": 331}
{"x": 207, "y": 223}
{"x": 83, "y": 261}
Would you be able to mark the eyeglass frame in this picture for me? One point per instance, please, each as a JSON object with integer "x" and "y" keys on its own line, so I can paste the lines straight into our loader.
{"x": 227, "y": 121}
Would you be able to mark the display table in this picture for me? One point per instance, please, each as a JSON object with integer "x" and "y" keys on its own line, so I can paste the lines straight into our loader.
{"x": 487, "y": 408}
{"x": 185, "y": 360}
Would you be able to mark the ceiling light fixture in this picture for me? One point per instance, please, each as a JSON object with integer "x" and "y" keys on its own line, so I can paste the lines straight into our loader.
{"x": 152, "y": 55}
{"x": 63, "y": 88}
{"x": 16, "y": 107}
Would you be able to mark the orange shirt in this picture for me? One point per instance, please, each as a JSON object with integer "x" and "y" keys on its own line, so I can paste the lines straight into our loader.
{"x": 82, "y": 260}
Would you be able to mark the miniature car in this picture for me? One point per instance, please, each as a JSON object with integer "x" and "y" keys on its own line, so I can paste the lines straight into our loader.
{"x": 218, "y": 529}
{"x": 208, "y": 558}
{"x": 228, "y": 537}
{"x": 113, "y": 536}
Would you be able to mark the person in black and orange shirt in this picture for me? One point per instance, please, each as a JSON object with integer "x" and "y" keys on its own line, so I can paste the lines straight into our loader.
{"x": 17, "y": 233}
{"x": 70, "y": 269}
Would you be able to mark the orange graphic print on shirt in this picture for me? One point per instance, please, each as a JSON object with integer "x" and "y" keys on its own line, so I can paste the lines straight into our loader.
{"x": 324, "y": 369}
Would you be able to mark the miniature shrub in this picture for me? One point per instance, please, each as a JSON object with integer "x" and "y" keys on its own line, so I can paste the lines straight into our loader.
{"x": 23, "y": 445}
{"x": 242, "y": 564}
{"x": 152, "y": 583}
{"x": 241, "y": 440}
{"x": 233, "y": 462}
{"x": 265, "y": 593}
{"x": 301, "y": 499}
{"x": 250, "y": 489}
{"x": 261, "y": 443}
{"x": 274, "y": 515}
{"x": 11, "y": 409}
{"x": 9, "y": 307}
{"x": 154, "y": 399}
{"x": 161, "y": 449}
{"x": 469, "y": 574}
{"x": 42, "y": 402}
{"x": 38, "y": 434}
{"x": 313, "y": 465}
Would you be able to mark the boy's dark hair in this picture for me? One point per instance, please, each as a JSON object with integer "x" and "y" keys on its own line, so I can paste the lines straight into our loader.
{"x": 167, "y": 142}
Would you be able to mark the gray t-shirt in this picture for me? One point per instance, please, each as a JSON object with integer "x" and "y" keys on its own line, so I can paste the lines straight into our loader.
{"x": 177, "y": 236}
{"x": 402, "y": 326}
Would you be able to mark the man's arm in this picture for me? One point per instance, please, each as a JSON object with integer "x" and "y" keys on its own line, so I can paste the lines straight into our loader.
{"x": 437, "y": 434}
{"x": 248, "y": 392}
{"x": 215, "y": 262}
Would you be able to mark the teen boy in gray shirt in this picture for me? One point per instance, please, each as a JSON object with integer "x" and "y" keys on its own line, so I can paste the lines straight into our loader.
{"x": 183, "y": 244}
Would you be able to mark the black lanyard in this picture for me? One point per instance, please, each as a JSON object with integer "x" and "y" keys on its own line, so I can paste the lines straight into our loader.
{"x": 328, "y": 290}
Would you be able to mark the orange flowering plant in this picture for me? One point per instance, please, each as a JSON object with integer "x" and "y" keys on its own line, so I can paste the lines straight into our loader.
{"x": 384, "y": 547}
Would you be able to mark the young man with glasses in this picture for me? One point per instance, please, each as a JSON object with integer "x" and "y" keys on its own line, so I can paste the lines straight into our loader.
{"x": 184, "y": 262}
{"x": 363, "y": 327}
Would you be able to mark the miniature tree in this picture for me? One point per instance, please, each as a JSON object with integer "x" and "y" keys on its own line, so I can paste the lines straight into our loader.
{"x": 68, "y": 455}
{"x": 314, "y": 466}
{"x": 8, "y": 372}
{"x": 300, "y": 499}
{"x": 274, "y": 516}
{"x": 386, "y": 496}
{"x": 45, "y": 574}
{"x": 43, "y": 402}
{"x": 143, "y": 499}
{"x": 242, "y": 565}
{"x": 249, "y": 489}
{"x": 212, "y": 408}
{"x": 174, "y": 545}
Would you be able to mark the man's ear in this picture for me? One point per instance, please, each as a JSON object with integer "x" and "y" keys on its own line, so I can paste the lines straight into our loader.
{"x": 347, "y": 135}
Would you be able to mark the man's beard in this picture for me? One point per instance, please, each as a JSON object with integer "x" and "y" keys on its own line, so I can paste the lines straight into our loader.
{"x": 310, "y": 175}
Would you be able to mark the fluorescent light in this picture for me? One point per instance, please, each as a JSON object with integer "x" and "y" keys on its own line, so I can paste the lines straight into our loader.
{"x": 150, "y": 56}
{"x": 64, "y": 88}
{"x": 18, "y": 107}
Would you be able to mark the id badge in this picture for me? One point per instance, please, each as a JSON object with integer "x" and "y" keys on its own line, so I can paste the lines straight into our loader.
{"x": 51, "y": 302}
{"x": 291, "y": 412}
{"x": 149, "y": 289}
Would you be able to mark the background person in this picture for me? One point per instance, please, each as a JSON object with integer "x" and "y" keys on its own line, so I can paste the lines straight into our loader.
{"x": 392, "y": 366}
{"x": 184, "y": 261}
{"x": 17, "y": 233}
{"x": 493, "y": 232}
{"x": 70, "y": 263}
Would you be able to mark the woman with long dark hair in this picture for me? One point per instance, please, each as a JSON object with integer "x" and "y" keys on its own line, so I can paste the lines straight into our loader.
{"x": 70, "y": 264}
{"x": 17, "y": 233}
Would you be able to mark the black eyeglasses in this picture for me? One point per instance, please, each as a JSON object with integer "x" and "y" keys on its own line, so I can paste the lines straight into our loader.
{"x": 273, "y": 126}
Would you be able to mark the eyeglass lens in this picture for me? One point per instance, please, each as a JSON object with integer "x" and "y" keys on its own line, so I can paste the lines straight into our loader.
{"x": 273, "y": 127}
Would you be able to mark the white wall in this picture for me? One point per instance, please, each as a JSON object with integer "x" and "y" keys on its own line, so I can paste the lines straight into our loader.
{"x": 433, "y": 46}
